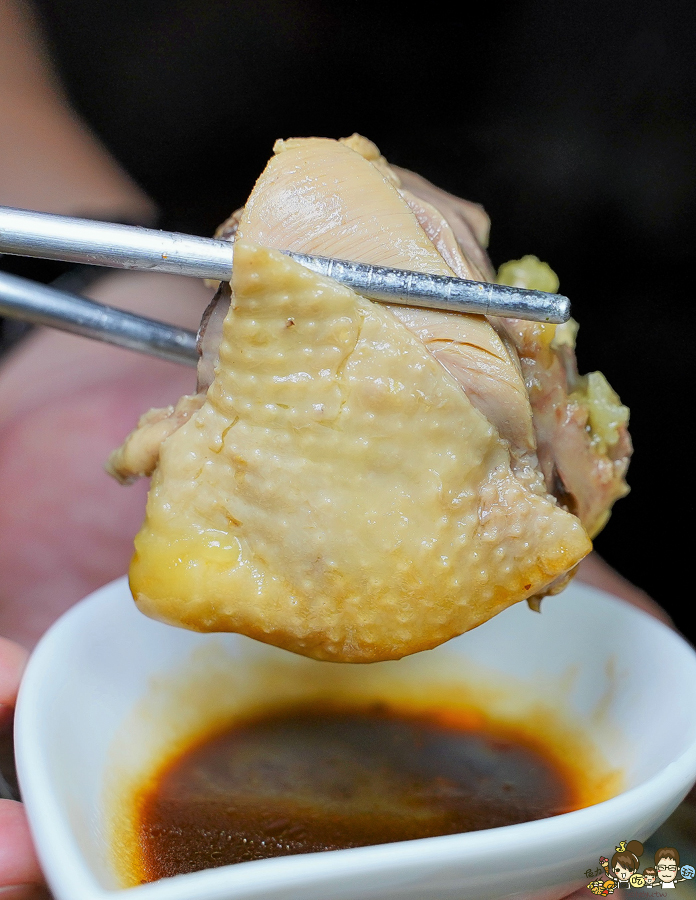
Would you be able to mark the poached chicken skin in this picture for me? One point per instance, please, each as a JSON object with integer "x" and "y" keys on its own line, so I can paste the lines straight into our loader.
{"x": 357, "y": 481}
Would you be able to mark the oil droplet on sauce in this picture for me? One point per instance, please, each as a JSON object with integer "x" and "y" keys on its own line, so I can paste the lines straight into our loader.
{"x": 325, "y": 777}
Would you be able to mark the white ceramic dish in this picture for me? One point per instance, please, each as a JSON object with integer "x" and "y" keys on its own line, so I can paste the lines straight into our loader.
{"x": 619, "y": 673}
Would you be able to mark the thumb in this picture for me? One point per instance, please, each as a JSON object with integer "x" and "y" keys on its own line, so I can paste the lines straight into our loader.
{"x": 19, "y": 866}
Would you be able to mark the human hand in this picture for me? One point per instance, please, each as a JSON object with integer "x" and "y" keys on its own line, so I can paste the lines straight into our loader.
{"x": 65, "y": 402}
{"x": 65, "y": 526}
{"x": 49, "y": 158}
{"x": 20, "y": 875}
{"x": 593, "y": 570}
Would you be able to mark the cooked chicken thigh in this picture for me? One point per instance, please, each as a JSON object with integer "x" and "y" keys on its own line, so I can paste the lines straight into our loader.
{"x": 353, "y": 481}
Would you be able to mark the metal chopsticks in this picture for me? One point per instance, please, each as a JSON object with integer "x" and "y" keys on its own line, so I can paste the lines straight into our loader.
{"x": 28, "y": 233}
{"x": 23, "y": 299}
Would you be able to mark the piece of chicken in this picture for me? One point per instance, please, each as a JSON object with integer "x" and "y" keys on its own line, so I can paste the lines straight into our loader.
{"x": 358, "y": 482}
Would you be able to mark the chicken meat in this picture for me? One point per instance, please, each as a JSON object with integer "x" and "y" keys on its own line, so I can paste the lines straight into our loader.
{"x": 357, "y": 481}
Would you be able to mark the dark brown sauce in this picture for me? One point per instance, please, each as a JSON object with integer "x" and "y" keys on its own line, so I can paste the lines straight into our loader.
{"x": 319, "y": 778}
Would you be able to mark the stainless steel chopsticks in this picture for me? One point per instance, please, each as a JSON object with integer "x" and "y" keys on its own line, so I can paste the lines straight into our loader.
{"x": 27, "y": 233}
{"x": 23, "y": 299}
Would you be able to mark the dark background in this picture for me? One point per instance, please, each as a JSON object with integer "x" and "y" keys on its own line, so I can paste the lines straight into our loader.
{"x": 572, "y": 123}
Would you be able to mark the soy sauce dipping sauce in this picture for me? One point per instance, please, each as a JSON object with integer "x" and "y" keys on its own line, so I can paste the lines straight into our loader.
{"x": 319, "y": 777}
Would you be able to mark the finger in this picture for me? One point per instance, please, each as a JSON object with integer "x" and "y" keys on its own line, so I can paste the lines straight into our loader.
{"x": 25, "y": 892}
{"x": 19, "y": 866}
{"x": 595, "y": 571}
{"x": 13, "y": 658}
{"x": 66, "y": 528}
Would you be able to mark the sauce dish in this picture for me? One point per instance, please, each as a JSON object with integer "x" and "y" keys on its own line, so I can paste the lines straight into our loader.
{"x": 108, "y": 691}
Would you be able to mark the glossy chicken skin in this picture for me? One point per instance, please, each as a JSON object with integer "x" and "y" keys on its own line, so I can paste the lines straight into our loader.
{"x": 360, "y": 481}
{"x": 337, "y": 494}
